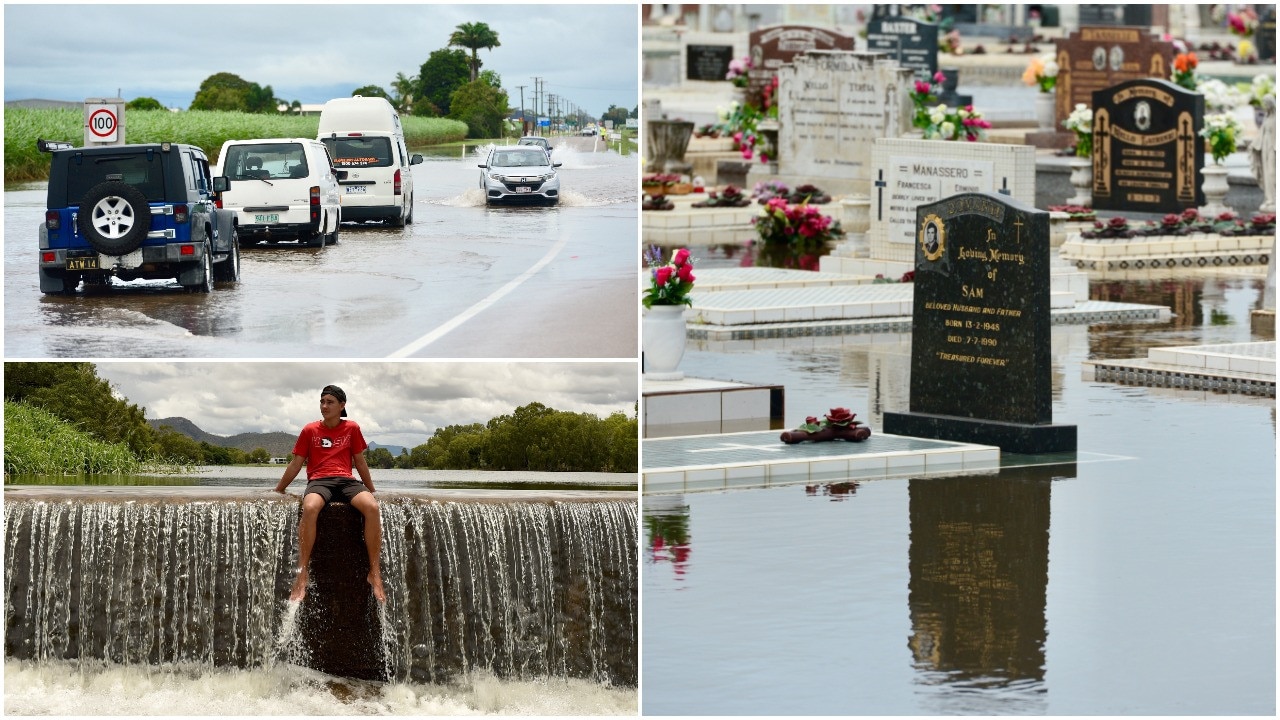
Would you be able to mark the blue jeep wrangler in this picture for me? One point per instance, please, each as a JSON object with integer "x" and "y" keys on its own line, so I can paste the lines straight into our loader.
{"x": 134, "y": 211}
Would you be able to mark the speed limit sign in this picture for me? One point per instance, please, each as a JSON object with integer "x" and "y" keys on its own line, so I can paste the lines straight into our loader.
{"x": 102, "y": 122}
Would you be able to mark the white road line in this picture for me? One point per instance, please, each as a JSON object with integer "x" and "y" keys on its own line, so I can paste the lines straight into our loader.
{"x": 479, "y": 307}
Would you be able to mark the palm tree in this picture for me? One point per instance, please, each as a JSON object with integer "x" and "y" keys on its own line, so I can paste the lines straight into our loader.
{"x": 403, "y": 88}
{"x": 474, "y": 36}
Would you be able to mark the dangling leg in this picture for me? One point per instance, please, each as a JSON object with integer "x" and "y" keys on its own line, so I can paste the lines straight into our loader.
{"x": 367, "y": 504}
{"x": 311, "y": 505}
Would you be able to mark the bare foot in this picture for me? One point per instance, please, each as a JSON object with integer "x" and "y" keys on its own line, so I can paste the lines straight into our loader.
{"x": 375, "y": 581}
{"x": 299, "y": 586}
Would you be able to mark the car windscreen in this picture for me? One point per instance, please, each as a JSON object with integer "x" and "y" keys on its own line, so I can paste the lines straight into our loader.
{"x": 520, "y": 158}
{"x": 144, "y": 171}
{"x": 533, "y": 141}
{"x": 358, "y": 152}
{"x": 265, "y": 161}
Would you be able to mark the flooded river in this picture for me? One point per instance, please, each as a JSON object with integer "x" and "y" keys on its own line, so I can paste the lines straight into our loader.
{"x": 464, "y": 280}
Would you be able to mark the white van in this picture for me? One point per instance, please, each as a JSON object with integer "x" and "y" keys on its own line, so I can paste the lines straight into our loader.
{"x": 365, "y": 138}
{"x": 283, "y": 189}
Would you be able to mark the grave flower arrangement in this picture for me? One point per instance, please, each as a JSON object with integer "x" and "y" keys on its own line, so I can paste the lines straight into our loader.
{"x": 808, "y": 193}
{"x": 1042, "y": 72}
{"x": 1242, "y": 23}
{"x": 946, "y": 123}
{"x": 739, "y": 72}
{"x": 1184, "y": 70}
{"x": 729, "y": 197}
{"x": 803, "y": 224}
{"x": 1221, "y": 130}
{"x": 837, "y": 424}
{"x": 740, "y": 122}
{"x": 1260, "y": 88}
{"x": 669, "y": 282}
{"x": 1220, "y": 97}
{"x": 1188, "y": 222}
{"x": 1075, "y": 213}
{"x": 769, "y": 189}
{"x": 658, "y": 181}
{"x": 1080, "y": 122}
{"x": 923, "y": 95}
{"x": 657, "y": 202}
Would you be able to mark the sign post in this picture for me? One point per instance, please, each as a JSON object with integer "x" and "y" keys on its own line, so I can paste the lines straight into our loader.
{"x": 103, "y": 122}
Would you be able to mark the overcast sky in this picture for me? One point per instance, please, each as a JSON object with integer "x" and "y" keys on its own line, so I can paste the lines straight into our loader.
{"x": 586, "y": 54}
{"x": 395, "y": 403}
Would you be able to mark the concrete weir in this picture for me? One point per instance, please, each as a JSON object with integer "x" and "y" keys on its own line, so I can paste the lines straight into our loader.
{"x": 519, "y": 584}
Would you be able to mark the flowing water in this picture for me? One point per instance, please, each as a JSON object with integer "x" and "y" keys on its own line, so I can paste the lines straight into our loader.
{"x": 174, "y": 594}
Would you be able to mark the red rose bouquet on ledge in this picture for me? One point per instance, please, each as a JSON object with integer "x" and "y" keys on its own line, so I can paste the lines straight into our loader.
{"x": 838, "y": 424}
{"x": 800, "y": 224}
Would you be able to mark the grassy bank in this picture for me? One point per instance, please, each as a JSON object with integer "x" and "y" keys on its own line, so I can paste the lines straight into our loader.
{"x": 38, "y": 443}
{"x": 207, "y": 130}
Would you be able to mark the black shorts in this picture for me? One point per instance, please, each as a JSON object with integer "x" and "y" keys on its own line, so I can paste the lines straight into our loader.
{"x": 335, "y": 488}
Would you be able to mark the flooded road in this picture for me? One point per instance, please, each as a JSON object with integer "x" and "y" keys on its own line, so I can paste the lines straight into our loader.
{"x": 463, "y": 281}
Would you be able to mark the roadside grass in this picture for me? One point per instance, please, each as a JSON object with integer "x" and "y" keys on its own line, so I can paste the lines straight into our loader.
{"x": 207, "y": 130}
{"x": 39, "y": 443}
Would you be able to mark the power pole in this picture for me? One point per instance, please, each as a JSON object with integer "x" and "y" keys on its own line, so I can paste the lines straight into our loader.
{"x": 537, "y": 108}
{"x": 522, "y": 87}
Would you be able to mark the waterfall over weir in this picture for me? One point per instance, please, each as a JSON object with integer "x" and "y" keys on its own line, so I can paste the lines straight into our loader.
{"x": 520, "y": 587}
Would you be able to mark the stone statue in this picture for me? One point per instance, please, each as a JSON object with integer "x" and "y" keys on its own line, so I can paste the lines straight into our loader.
{"x": 1262, "y": 156}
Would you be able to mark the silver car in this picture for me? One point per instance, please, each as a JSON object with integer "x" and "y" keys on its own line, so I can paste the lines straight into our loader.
{"x": 519, "y": 173}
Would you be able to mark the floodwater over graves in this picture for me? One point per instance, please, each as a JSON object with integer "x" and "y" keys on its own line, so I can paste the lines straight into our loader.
{"x": 1136, "y": 575}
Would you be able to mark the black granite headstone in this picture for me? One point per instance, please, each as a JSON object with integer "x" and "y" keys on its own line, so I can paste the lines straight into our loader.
{"x": 1148, "y": 155}
{"x": 914, "y": 44}
{"x": 1265, "y": 36}
{"x": 980, "y": 361}
{"x": 707, "y": 62}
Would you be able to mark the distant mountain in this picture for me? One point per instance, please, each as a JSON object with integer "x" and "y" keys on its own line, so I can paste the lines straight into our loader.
{"x": 279, "y": 444}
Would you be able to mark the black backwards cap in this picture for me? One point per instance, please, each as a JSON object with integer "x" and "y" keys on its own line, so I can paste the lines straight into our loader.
{"x": 337, "y": 392}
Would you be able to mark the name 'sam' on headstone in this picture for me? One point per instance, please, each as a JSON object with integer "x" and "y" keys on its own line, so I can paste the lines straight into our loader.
{"x": 1148, "y": 155}
{"x": 980, "y": 338}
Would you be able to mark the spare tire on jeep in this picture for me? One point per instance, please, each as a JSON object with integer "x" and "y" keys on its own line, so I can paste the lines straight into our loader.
{"x": 114, "y": 217}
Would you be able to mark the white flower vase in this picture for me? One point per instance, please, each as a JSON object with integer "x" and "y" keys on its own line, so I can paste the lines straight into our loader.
{"x": 1215, "y": 191}
{"x": 663, "y": 329}
{"x": 1045, "y": 108}
{"x": 1082, "y": 181}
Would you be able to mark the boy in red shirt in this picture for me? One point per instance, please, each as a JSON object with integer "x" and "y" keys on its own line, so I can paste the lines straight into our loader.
{"x": 331, "y": 447}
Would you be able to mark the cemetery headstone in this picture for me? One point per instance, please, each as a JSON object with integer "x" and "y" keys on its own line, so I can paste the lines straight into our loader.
{"x": 1148, "y": 155}
{"x": 914, "y": 44}
{"x": 1094, "y": 58}
{"x": 832, "y": 108}
{"x": 980, "y": 354}
{"x": 910, "y": 173}
{"x": 707, "y": 62}
{"x": 1265, "y": 36}
{"x": 775, "y": 46}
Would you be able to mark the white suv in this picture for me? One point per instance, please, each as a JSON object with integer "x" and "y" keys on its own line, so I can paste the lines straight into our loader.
{"x": 284, "y": 189}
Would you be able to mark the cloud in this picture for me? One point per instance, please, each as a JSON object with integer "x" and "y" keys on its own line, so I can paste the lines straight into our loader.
{"x": 396, "y": 403}
{"x": 312, "y": 52}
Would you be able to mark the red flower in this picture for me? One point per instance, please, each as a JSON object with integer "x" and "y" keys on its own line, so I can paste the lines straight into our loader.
{"x": 681, "y": 257}
{"x": 662, "y": 275}
{"x": 1118, "y": 223}
{"x": 840, "y": 416}
{"x": 922, "y": 87}
{"x": 685, "y": 273}
{"x": 1172, "y": 219}
{"x": 811, "y": 420}
{"x": 1228, "y": 215}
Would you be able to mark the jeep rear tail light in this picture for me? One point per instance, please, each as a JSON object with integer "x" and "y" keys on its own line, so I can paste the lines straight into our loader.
{"x": 48, "y": 256}
{"x": 51, "y": 220}
{"x": 187, "y": 250}
{"x": 181, "y": 214}
{"x": 396, "y": 181}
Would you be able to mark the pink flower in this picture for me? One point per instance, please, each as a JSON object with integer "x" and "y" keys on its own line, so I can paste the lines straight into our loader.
{"x": 746, "y": 153}
{"x": 685, "y": 273}
{"x": 922, "y": 87}
{"x": 662, "y": 275}
{"x": 681, "y": 257}
{"x": 939, "y": 78}
{"x": 764, "y": 157}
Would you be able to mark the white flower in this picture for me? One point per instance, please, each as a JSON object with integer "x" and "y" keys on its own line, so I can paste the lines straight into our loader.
{"x": 948, "y": 129}
{"x": 1050, "y": 68}
{"x": 938, "y": 114}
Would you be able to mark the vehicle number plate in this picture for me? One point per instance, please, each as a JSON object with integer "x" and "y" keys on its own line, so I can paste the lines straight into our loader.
{"x": 524, "y": 189}
{"x": 82, "y": 263}
{"x": 355, "y": 189}
{"x": 272, "y": 218}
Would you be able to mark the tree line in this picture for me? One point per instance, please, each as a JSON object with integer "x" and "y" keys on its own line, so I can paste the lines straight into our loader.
{"x": 533, "y": 437}
{"x": 449, "y": 84}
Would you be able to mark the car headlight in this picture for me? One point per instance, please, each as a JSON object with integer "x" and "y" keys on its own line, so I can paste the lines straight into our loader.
{"x": 496, "y": 176}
